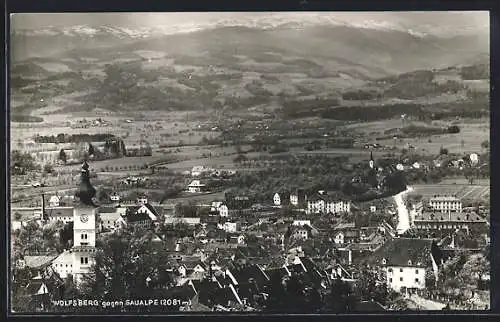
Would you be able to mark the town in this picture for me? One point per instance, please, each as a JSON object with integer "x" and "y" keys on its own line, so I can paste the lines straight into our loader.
{"x": 253, "y": 176}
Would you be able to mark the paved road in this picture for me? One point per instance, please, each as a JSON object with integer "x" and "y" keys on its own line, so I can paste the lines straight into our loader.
{"x": 403, "y": 215}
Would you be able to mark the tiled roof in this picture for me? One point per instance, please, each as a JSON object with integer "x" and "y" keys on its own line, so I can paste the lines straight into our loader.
{"x": 135, "y": 217}
{"x": 399, "y": 251}
{"x": 444, "y": 198}
{"x": 59, "y": 211}
{"x": 39, "y": 261}
{"x": 244, "y": 274}
{"x": 451, "y": 216}
{"x": 34, "y": 285}
{"x": 105, "y": 210}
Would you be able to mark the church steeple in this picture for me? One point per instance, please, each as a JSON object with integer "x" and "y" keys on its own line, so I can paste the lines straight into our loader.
{"x": 86, "y": 191}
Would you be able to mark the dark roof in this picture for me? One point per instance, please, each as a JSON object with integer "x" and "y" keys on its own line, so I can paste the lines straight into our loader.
{"x": 210, "y": 294}
{"x": 400, "y": 251}
{"x": 152, "y": 209}
{"x": 39, "y": 261}
{"x": 452, "y": 216}
{"x": 34, "y": 285}
{"x": 244, "y": 274}
{"x": 103, "y": 210}
{"x": 59, "y": 212}
{"x": 276, "y": 273}
{"x": 134, "y": 217}
{"x": 328, "y": 197}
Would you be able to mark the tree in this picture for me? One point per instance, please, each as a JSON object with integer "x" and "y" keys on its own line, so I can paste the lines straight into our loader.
{"x": 443, "y": 150}
{"x": 63, "y": 156}
{"x": 340, "y": 298}
{"x": 473, "y": 270}
{"x": 21, "y": 162}
{"x": 485, "y": 144}
{"x": 17, "y": 216}
{"x": 126, "y": 266}
{"x": 47, "y": 168}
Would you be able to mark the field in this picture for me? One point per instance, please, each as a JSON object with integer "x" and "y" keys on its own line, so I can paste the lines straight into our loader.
{"x": 472, "y": 133}
{"x": 466, "y": 192}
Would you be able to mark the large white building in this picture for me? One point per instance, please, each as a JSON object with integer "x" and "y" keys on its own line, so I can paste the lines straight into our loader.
{"x": 323, "y": 203}
{"x": 445, "y": 203}
{"x": 405, "y": 262}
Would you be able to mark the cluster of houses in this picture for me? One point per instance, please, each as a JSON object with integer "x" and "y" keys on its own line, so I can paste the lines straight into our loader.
{"x": 221, "y": 262}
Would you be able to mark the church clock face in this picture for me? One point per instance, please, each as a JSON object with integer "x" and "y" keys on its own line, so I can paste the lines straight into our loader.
{"x": 84, "y": 218}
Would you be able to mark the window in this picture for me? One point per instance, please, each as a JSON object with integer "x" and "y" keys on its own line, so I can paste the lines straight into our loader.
{"x": 416, "y": 280}
{"x": 416, "y": 271}
{"x": 401, "y": 270}
{"x": 390, "y": 280}
{"x": 400, "y": 279}
{"x": 390, "y": 270}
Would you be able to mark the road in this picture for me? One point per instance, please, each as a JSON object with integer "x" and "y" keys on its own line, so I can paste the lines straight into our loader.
{"x": 403, "y": 214}
{"x": 427, "y": 304}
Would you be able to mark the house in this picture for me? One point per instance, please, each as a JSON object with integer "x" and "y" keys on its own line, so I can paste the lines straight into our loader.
{"x": 445, "y": 203}
{"x": 301, "y": 232}
{"x": 191, "y": 221}
{"x": 110, "y": 216}
{"x": 298, "y": 198}
{"x": 324, "y": 203}
{"x": 198, "y": 171}
{"x": 438, "y": 221}
{"x": 64, "y": 214}
{"x": 299, "y": 222}
{"x": 346, "y": 236}
{"x": 196, "y": 186}
{"x": 405, "y": 262}
{"x": 230, "y": 227}
{"x": 277, "y": 199}
{"x": 220, "y": 207}
{"x": 54, "y": 201}
{"x": 44, "y": 288}
{"x": 115, "y": 197}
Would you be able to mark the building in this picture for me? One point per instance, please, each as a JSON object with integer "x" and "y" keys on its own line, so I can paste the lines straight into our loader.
{"x": 220, "y": 208}
{"x": 190, "y": 221}
{"x": 405, "y": 262}
{"x": 196, "y": 186}
{"x": 230, "y": 227}
{"x": 346, "y": 236}
{"x": 198, "y": 171}
{"x": 109, "y": 216}
{"x": 277, "y": 199}
{"x": 54, "y": 201}
{"x": 439, "y": 221}
{"x": 301, "y": 223}
{"x": 445, "y": 203}
{"x": 64, "y": 214}
{"x": 324, "y": 203}
{"x": 298, "y": 198}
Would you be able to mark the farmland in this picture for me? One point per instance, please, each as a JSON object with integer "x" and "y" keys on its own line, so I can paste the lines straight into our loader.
{"x": 464, "y": 191}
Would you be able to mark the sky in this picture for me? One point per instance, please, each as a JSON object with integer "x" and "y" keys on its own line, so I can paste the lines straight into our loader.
{"x": 410, "y": 20}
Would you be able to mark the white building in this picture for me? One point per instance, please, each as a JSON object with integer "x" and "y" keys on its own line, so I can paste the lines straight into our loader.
{"x": 221, "y": 208}
{"x": 110, "y": 217}
{"x": 277, "y": 199}
{"x": 230, "y": 227}
{"x": 198, "y": 171}
{"x": 54, "y": 201}
{"x": 445, "y": 203}
{"x": 322, "y": 203}
{"x": 195, "y": 186}
{"x": 301, "y": 223}
{"x": 405, "y": 262}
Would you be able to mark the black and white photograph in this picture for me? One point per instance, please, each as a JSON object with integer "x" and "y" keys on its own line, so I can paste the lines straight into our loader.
{"x": 269, "y": 162}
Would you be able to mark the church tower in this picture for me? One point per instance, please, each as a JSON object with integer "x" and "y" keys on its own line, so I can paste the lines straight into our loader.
{"x": 84, "y": 228}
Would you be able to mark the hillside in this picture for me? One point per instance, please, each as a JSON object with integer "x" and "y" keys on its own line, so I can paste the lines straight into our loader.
{"x": 242, "y": 67}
